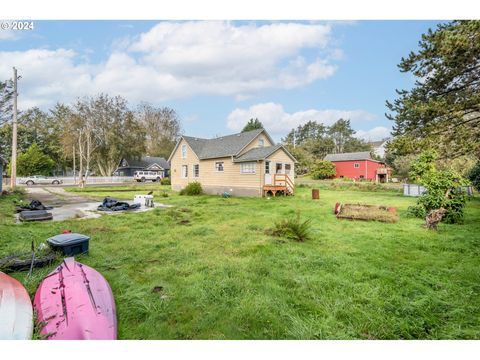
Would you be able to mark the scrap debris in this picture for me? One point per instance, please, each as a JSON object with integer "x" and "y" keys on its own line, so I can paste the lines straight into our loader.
{"x": 111, "y": 204}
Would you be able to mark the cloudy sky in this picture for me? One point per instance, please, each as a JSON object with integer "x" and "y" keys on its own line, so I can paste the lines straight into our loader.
{"x": 217, "y": 74}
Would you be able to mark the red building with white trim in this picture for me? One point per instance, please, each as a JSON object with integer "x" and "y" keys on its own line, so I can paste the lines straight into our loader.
{"x": 359, "y": 166}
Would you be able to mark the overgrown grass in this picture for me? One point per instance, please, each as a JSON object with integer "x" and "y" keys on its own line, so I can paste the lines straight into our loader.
{"x": 205, "y": 269}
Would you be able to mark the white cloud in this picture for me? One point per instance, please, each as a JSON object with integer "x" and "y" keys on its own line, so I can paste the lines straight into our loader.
{"x": 377, "y": 133}
{"x": 279, "y": 122}
{"x": 181, "y": 59}
{"x": 47, "y": 76}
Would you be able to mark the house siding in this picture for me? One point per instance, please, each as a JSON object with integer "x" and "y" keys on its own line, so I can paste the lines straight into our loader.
{"x": 347, "y": 169}
{"x": 254, "y": 143}
{"x": 231, "y": 179}
{"x": 280, "y": 156}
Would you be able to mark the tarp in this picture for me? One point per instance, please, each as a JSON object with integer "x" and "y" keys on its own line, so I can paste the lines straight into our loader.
{"x": 110, "y": 204}
{"x": 34, "y": 205}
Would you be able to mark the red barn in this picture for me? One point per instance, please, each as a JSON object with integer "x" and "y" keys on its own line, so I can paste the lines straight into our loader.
{"x": 359, "y": 166}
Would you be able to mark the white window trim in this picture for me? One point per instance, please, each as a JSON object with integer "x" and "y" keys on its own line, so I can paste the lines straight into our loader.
{"x": 223, "y": 166}
{"x": 356, "y": 165}
{"x": 285, "y": 168}
{"x": 184, "y": 174}
{"x": 193, "y": 171}
{"x": 184, "y": 151}
{"x": 269, "y": 167}
{"x": 249, "y": 172}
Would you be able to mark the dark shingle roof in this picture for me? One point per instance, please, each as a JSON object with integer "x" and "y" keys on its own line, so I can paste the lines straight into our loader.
{"x": 363, "y": 155}
{"x": 258, "y": 153}
{"x": 146, "y": 161}
{"x": 223, "y": 146}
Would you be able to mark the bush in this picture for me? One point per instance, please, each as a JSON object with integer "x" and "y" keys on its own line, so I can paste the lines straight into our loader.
{"x": 443, "y": 188}
{"x": 165, "y": 181}
{"x": 474, "y": 176}
{"x": 323, "y": 170}
{"x": 193, "y": 188}
{"x": 417, "y": 211}
{"x": 292, "y": 228}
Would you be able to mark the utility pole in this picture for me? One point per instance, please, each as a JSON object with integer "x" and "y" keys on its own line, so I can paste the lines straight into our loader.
{"x": 13, "y": 178}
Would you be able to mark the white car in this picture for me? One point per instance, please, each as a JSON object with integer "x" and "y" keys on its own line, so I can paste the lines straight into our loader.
{"x": 142, "y": 176}
{"x": 39, "y": 179}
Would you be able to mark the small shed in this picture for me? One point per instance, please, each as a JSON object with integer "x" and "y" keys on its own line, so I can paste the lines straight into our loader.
{"x": 3, "y": 162}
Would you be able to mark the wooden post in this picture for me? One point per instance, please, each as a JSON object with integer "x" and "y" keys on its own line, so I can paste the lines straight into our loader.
{"x": 315, "y": 194}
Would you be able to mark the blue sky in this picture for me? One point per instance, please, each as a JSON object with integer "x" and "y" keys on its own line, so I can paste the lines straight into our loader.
{"x": 217, "y": 75}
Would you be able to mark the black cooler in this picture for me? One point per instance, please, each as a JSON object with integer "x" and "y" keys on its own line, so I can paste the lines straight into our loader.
{"x": 70, "y": 244}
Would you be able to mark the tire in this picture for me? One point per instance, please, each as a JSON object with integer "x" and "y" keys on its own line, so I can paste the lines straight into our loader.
{"x": 29, "y": 183}
{"x": 142, "y": 179}
{"x": 55, "y": 182}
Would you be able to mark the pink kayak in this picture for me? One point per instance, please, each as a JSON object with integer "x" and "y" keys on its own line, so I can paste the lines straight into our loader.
{"x": 75, "y": 302}
{"x": 16, "y": 314}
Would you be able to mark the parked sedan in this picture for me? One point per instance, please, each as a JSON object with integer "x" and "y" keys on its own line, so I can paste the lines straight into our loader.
{"x": 38, "y": 179}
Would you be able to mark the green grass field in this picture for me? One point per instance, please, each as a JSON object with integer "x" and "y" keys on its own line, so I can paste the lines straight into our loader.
{"x": 217, "y": 275}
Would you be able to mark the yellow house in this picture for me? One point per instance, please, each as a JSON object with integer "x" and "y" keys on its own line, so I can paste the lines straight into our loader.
{"x": 244, "y": 164}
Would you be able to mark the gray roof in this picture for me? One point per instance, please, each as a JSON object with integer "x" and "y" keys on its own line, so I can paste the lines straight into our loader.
{"x": 258, "y": 153}
{"x": 147, "y": 161}
{"x": 363, "y": 155}
{"x": 224, "y": 146}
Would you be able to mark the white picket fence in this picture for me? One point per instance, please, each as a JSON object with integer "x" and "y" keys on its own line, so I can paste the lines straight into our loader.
{"x": 92, "y": 180}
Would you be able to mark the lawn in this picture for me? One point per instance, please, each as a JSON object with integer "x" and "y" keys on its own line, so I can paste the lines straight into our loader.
{"x": 206, "y": 269}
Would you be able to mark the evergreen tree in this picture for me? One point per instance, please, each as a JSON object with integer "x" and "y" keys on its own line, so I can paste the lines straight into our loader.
{"x": 442, "y": 110}
{"x": 252, "y": 124}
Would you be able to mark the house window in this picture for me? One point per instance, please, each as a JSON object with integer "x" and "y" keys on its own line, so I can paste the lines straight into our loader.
{"x": 219, "y": 165}
{"x": 287, "y": 168}
{"x": 356, "y": 165}
{"x": 247, "y": 168}
{"x": 184, "y": 171}
{"x": 261, "y": 142}
{"x": 196, "y": 170}
{"x": 278, "y": 168}
{"x": 184, "y": 151}
{"x": 267, "y": 167}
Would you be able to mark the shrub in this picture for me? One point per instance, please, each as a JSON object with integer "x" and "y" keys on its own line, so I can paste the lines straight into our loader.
{"x": 323, "y": 170}
{"x": 165, "y": 181}
{"x": 474, "y": 176}
{"x": 417, "y": 211}
{"x": 292, "y": 228}
{"x": 193, "y": 188}
{"x": 443, "y": 188}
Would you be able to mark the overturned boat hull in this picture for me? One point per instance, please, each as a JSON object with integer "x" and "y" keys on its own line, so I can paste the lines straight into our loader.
{"x": 16, "y": 314}
{"x": 75, "y": 302}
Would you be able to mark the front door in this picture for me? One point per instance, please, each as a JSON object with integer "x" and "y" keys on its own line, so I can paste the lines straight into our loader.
{"x": 268, "y": 175}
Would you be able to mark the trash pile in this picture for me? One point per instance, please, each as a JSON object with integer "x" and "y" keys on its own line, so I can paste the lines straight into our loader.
{"x": 35, "y": 211}
{"x": 111, "y": 204}
{"x": 34, "y": 205}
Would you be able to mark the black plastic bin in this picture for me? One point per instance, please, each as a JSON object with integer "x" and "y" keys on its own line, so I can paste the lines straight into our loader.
{"x": 35, "y": 215}
{"x": 70, "y": 244}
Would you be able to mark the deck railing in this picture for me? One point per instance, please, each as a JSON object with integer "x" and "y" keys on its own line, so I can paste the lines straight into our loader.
{"x": 283, "y": 180}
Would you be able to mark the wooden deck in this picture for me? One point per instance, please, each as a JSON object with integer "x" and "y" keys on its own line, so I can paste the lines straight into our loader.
{"x": 281, "y": 183}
